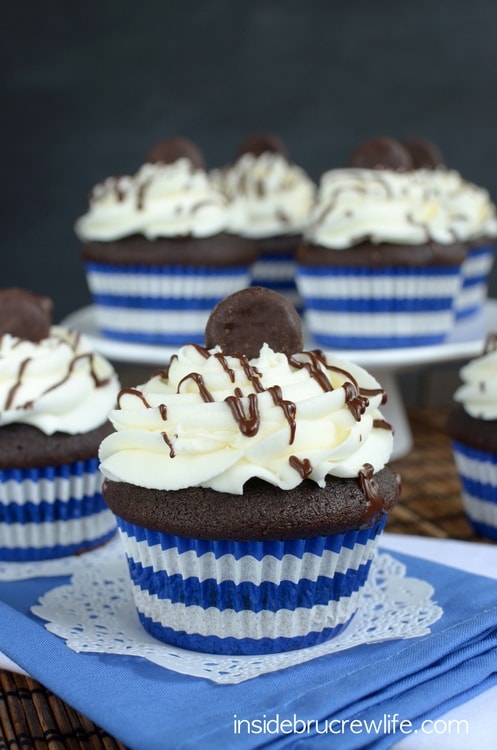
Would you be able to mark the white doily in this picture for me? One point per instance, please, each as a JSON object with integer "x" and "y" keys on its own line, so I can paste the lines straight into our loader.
{"x": 61, "y": 566}
{"x": 95, "y": 613}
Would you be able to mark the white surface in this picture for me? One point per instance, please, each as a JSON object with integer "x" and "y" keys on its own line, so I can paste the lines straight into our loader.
{"x": 473, "y": 557}
{"x": 465, "y": 342}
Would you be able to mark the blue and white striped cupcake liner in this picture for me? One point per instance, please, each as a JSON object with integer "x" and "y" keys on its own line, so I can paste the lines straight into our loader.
{"x": 163, "y": 305}
{"x": 475, "y": 272}
{"x": 228, "y": 597}
{"x": 478, "y": 475}
{"x": 355, "y": 308}
{"x": 276, "y": 271}
{"x": 52, "y": 512}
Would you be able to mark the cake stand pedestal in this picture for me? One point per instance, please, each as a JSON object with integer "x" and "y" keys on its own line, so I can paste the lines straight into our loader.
{"x": 466, "y": 341}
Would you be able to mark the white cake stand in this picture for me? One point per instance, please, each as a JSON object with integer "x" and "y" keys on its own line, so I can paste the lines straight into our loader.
{"x": 466, "y": 341}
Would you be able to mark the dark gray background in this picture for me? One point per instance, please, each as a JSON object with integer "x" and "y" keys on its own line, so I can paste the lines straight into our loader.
{"x": 89, "y": 85}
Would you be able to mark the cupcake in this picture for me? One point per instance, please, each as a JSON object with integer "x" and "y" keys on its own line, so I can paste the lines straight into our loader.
{"x": 380, "y": 262}
{"x": 472, "y": 427}
{"x": 474, "y": 222}
{"x": 250, "y": 485}
{"x": 156, "y": 249}
{"x": 269, "y": 198}
{"x": 56, "y": 394}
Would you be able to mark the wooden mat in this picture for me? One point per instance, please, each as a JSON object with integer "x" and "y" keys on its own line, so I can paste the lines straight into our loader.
{"x": 32, "y": 717}
{"x": 430, "y": 503}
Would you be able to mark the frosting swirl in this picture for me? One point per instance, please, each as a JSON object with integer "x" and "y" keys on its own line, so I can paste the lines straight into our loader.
{"x": 57, "y": 384}
{"x": 160, "y": 200}
{"x": 411, "y": 208}
{"x": 267, "y": 195}
{"x": 478, "y": 392}
{"x": 216, "y": 421}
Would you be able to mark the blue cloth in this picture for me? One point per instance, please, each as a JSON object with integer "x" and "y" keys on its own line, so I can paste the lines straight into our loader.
{"x": 150, "y": 708}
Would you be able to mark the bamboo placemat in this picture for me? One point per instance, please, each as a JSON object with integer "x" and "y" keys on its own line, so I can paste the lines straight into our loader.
{"x": 430, "y": 502}
{"x": 33, "y": 718}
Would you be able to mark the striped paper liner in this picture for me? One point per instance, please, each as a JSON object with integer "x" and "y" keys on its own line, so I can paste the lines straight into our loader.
{"x": 478, "y": 475}
{"x": 475, "y": 273}
{"x": 52, "y": 512}
{"x": 164, "y": 305}
{"x": 378, "y": 308}
{"x": 247, "y": 597}
{"x": 276, "y": 271}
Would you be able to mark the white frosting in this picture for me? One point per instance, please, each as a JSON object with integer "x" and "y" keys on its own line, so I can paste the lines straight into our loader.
{"x": 478, "y": 393}
{"x": 268, "y": 196}
{"x": 409, "y": 208}
{"x": 57, "y": 384}
{"x": 160, "y": 200}
{"x": 194, "y": 441}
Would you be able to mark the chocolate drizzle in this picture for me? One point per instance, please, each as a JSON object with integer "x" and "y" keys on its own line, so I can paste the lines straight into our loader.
{"x": 382, "y": 424}
{"x": 89, "y": 356}
{"x": 301, "y": 465}
{"x": 289, "y": 409}
{"x": 12, "y": 392}
{"x": 371, "y": 491}
{"x": 132, "y": 392}
{"x": 357, "y": 404}
{"x": 202, "y": 388}
{"x": 371, "y": 392}
{"x": 249, "y": 422}
{"x": 312, "y": 365}
{"x": 169, "y": 444}
{"x": 246, "y": 412}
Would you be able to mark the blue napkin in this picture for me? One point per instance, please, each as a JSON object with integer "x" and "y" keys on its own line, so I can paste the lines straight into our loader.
{"x": 311, "y": 705}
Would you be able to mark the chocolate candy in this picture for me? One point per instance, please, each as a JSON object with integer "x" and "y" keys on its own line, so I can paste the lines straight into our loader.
{"x": 424, "y": 153}
{"x": 381, "y": 153}
{"x": 24, "y": 314}
{"x": 172, "y": 149}
{"x": 244, "y": 321}
{"x": 261, "y": 143}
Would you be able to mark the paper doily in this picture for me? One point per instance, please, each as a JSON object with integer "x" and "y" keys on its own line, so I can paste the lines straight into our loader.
{"x": 95, "y": 613}
{"x": 60, "y": 566}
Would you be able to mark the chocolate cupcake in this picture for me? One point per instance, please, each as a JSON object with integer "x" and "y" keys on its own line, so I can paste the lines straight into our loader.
{"x": 250, "y": 490}
{"x": 474, "y": 222}
{"x": 55, "y": 394}
{"x": 472, "y": 426}
{"x": 157, "y": 252}
{"x": 270, "y": 198}
{"x": 381, "y": 262}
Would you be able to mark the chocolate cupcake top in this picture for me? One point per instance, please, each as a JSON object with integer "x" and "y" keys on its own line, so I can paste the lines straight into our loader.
{"x": 169, "y": 196}
{"x": 478, "y": 392}
{"x": 268, "y": 195}
{"x": 398, "y": 193}
{"x": 216, "y": 419}
{"x": 55, "y": 383}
